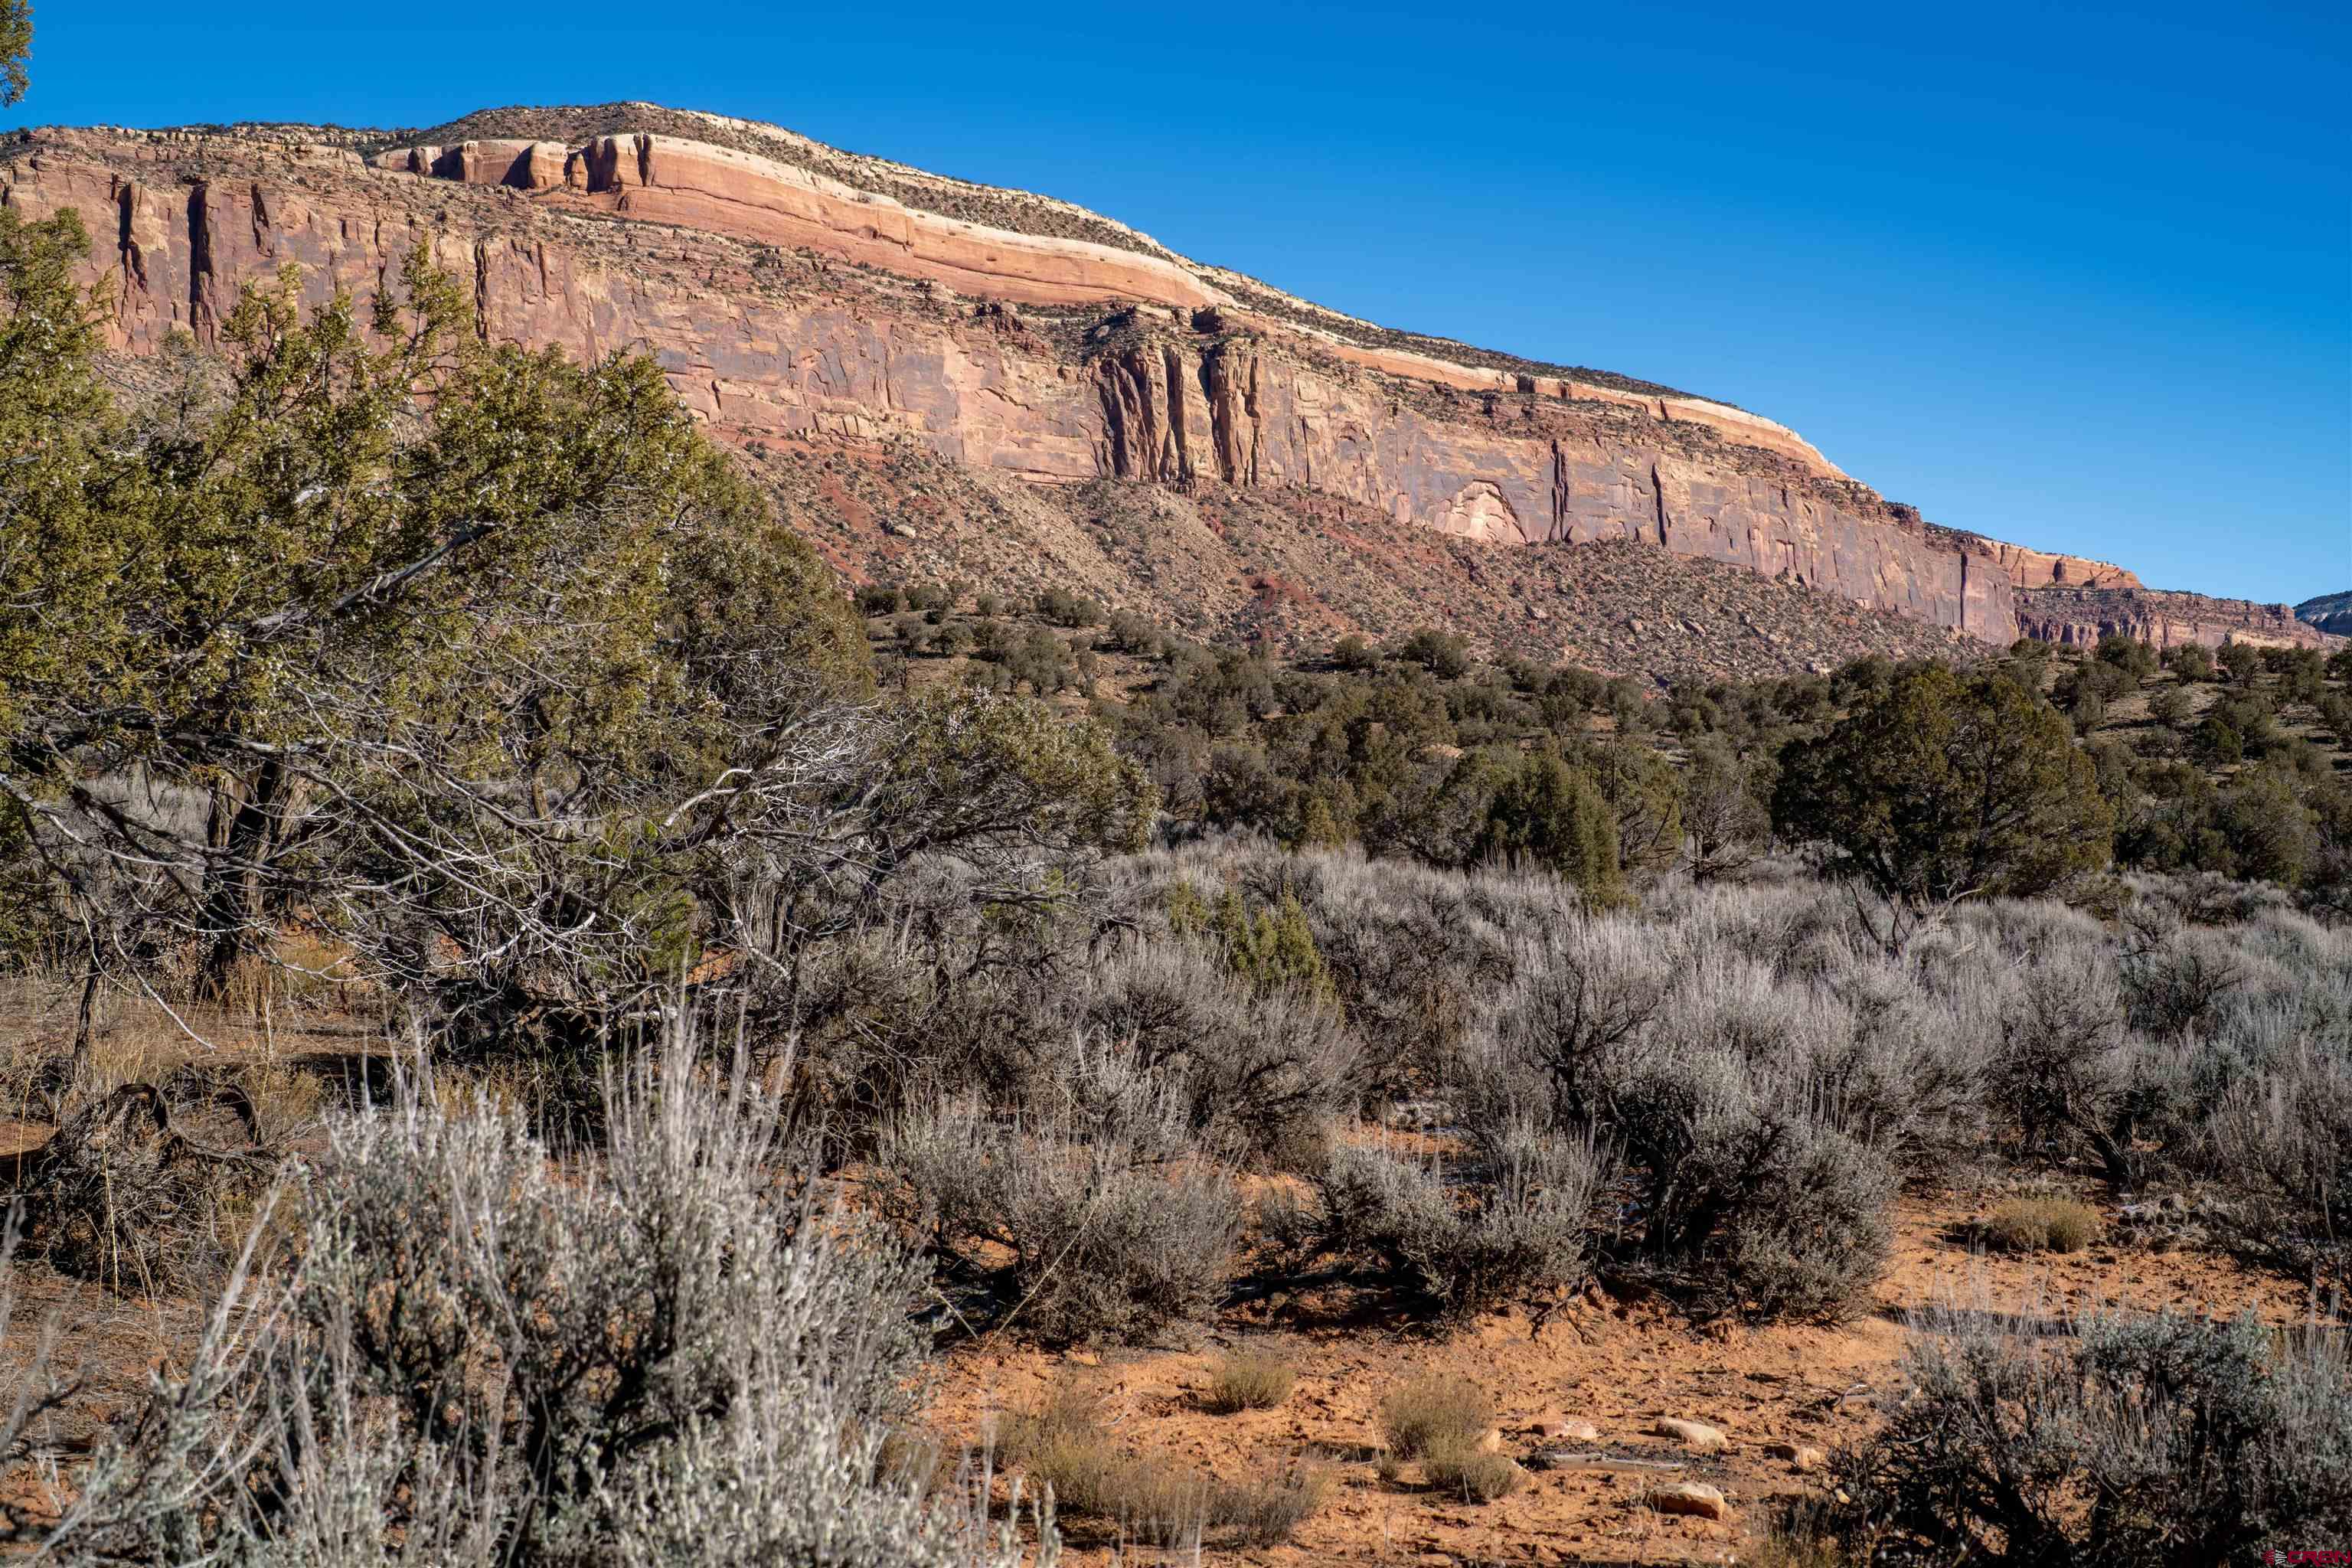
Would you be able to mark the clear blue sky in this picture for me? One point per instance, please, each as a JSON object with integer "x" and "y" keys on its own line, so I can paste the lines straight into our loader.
{"x": 2078, "y": 278}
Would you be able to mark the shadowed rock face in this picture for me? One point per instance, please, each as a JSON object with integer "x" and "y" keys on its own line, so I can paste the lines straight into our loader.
{"x": 2329, "y": 613}
{"x": 784, "y": 302}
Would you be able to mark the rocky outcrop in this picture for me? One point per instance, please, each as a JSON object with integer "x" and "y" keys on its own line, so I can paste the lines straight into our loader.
{"x": 2079, "y": 617}
{"x": 1242, "y": 410}
{"x": 2041, "y": 569}
{"x": 784, "y": 302}
{"x": 2330, "y": 613}
{"x": 721, "y": 190}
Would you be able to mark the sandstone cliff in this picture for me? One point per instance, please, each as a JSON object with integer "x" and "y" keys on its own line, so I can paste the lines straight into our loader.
{"x": 793, "y": 292}
{"x": 2079, "y": 617}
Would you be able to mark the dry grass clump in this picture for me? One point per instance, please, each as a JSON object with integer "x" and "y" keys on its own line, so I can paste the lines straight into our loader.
{"x": 1434, "y": 1414}
{"x": 1248, "y": 1380}
{"x": 1471, "y": 1473}
{"x": 1064, "y": 1441}
{"x": 1264, "y": 1512}
{"x": 2042, "y": 1224}
{"x": 1443, "y": 1420}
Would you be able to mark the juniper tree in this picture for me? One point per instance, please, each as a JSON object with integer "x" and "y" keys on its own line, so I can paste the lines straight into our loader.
{"x": 1939, "y": 786}
{"x": 485, "y": 665}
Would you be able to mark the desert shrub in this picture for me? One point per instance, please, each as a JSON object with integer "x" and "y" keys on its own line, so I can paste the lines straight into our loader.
{"x": 2150, "y": 1442}
{"x": 2127, "y": 654}
{"x": 1132, "y": 633}
{"x": 1725, "y": 821}
{"x": 1065, "y": 608}
{"x": 2191, "y": 661}
{"x": 1795, "y": 1544}
{"x": 879, "y": 599}
{"x": 667, "y": 1357}
{"x": 2061, "y": 1071}
{"x": 1265, "y": 1510}
{"x": 1072, "y": 1237}
{"x": 1445, "y": 655}
{"x": 1470, "y": 1473}
{"x": 1254, "y": 1068}
{"x": 1411, "y": 951}
{"x": 1756, "y": 1188}
{"x": 1813, "y": 1247}
{"x": 2280, "y": 1139}
{"x": 2173, "y": 985}
{"x": 1438, "y": 1410}
{"x": 1541, "y": 809}
{"x": 1249, "y": 1379}
{"x": 2042, "y": 1224}
{"x": 1511, "y": 1224}
{"x": 1272, "y": 949}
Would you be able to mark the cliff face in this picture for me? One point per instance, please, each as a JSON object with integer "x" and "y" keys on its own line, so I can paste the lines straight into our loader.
{"x": 2041, "y": 569}
{"x": 2330, "y": 613}
{"x": 2079, "y": 617}
{"x": 785, "y": 302}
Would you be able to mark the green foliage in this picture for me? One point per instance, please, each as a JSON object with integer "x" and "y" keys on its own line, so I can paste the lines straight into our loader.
{"x": 1944, "y": 786}
{"x": 16, "y": 45}
{"x": 58, "y": 442}
{"x": 372, "y": 566}
{"x": 1557, "y": 816}
{"x": 1271, "y": 949}
{"x": 1320, "y": 828}
{"x": 2191, "y": 662}
{"x": 1445, "y": 655}
{"x": 1645, "y": 796}
{"x": 2127, "y": 654}
{"x": 2269, "y": 831}
{"x": 1007, "y": 768}
{"x": 1065, "y": 608}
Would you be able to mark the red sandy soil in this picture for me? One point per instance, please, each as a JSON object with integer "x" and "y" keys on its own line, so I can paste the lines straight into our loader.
{"x": 1619, "y": 1364}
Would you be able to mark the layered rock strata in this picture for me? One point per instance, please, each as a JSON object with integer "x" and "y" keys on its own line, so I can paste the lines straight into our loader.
{"x": 2079, "y": 617}
{"x": 784, "y": 302}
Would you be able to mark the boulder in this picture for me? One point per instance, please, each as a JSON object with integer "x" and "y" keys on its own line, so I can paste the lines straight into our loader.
{"x": 1696, "y": 1435}
{"x": 1696, "y": 1499}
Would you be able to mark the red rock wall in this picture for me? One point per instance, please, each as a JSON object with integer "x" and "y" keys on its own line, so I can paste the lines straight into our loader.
{"x": 1262, "y": 406}
{"x": 1249, "y": 415}
{"x": 2079, "y": 617}
{"x": 2041, "y": 569}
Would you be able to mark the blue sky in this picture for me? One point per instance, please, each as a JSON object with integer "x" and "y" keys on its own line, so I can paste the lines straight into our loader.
{"x": 2078, "y": 278}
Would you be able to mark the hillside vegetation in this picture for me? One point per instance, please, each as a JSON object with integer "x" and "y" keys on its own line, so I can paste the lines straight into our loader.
{"x": 717, "y": 1035}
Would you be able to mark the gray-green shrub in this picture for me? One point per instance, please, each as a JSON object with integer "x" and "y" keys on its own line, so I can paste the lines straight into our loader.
{"x": 2144, "y": 1441}
{"x": 670, "y": 1355}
